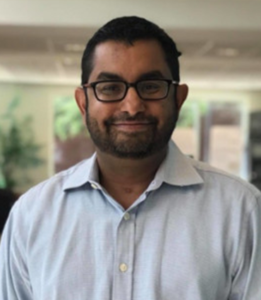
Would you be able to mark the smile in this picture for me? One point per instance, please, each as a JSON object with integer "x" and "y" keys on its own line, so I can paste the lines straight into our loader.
{"x": 131, "y": 126}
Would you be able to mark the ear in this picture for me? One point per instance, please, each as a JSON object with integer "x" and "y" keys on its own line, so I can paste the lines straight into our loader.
{"x": 181, "y": 95}
{"x": 81, "y": 100}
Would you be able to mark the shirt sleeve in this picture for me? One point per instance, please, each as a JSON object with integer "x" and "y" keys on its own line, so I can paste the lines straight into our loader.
{"x": 247, "y": 279}
{"x": 14, "y": 279}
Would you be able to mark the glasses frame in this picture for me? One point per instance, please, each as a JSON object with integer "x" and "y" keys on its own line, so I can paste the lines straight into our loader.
{"x": 128, "y": 85}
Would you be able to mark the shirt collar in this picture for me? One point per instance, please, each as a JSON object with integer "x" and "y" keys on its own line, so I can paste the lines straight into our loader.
{"x": 82, "y": 173}
{"x": 176, "y": 169}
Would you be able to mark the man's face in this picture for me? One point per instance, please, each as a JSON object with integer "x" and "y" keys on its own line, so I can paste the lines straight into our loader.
{"x": 131, "y": 128}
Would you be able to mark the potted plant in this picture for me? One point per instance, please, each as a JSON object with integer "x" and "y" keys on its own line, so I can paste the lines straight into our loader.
{"x": 18, "y": 149}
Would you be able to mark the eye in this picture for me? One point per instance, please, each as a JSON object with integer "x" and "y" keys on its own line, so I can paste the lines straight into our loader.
{"x": 109, "y": 88}
{"x": 150, "y": 87}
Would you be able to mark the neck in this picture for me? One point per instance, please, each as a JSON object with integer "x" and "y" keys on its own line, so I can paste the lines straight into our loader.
{"x": 126, "y": 179}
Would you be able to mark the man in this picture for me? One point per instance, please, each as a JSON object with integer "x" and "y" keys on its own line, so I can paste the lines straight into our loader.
{"x": 139, "y": 220}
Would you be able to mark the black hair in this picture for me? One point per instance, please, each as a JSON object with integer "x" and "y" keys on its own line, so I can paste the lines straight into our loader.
{"x": 129, "y": 30}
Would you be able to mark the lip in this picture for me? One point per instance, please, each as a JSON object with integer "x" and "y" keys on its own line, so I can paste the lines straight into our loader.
{"x": 132, "y": 126}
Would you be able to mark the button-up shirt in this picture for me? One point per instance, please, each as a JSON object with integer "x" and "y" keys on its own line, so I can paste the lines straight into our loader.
{"x": 194, "y": 234}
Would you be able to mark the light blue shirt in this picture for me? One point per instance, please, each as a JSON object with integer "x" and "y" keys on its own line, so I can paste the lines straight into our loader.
{"x": 194, "y": 234}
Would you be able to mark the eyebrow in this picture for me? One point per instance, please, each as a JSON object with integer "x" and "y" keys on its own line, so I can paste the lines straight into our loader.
{"x": 112, "y": 76}
{"x": 108, "y": 76}
{"x": 152, "y": 75}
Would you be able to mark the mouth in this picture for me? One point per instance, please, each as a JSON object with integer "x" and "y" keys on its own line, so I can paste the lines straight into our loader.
{"x": 133, "y": 126}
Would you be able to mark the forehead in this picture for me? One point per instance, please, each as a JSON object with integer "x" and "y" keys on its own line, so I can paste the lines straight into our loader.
{"x": 129, "y": 61}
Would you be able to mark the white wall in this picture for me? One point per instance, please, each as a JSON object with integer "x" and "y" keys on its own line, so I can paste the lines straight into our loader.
{"x": 251, "y": 100}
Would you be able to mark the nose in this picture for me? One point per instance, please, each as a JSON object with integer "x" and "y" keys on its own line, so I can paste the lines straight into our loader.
{"x": 132, "y": 103}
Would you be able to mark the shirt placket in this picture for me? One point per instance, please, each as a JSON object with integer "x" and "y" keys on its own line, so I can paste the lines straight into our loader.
{"x": 124, "y": 258}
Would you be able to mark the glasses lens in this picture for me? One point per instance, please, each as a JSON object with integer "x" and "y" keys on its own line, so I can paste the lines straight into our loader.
{"x": 110, "y": 90}
{"x": 153, "y": 89}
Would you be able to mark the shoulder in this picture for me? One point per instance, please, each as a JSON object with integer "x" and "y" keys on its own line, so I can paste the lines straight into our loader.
{"x": 55, "y": 187}
{"x": 47, "y": 197}
{"x": 221, "y": 182}
{"x": 59, "y": 180}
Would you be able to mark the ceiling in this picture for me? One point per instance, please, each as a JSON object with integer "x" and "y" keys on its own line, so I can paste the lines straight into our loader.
{"x": 213, "y": 56}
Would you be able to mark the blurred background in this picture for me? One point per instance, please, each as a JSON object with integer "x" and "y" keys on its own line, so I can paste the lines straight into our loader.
{"x": 41, "y": 44}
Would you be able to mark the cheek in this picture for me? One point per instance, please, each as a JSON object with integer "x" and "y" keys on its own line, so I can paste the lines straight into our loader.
{"x": 100, "y": 111}
{"x": 164, "y": 112}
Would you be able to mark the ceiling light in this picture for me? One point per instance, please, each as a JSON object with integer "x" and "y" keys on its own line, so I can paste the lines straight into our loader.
{"x": 228, "y": 52}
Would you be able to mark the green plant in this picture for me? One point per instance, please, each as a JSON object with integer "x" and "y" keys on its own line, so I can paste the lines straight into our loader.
{"x": 188, "y": 113}
{"x": 18, "y": 150}
{"x": 67, "y": 119}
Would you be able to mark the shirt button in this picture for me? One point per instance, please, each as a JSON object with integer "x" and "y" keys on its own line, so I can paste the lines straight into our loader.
{"x": 94, "y": 186}
{"x": 126, "y": 216}
{"x": 123, "y": 267}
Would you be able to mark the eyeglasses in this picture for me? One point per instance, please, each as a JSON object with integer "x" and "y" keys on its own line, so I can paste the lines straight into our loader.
{"x": 116, "y": 90}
